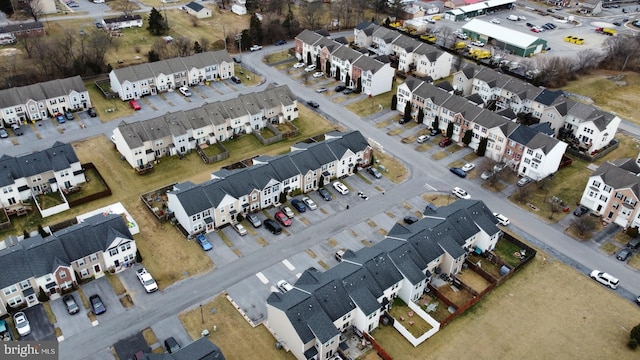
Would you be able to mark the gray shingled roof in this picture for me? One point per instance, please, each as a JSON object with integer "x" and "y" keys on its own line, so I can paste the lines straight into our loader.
{"x": 346, "y": 53}
{"x": 122, "y": 18}
{"x": 543, "y": 142}
{"x": 618, "y": 178}
{"x": 366, "y": 63}
{"x": 387, "y": 35}
{"x": 59, "y": 157}
{"x": 200, "y": 349}
{"x": 194, "y": 6}
{"x": 407, "y": 43}
{"x": 41, "y": 91}
{"x": 11, "y": 28}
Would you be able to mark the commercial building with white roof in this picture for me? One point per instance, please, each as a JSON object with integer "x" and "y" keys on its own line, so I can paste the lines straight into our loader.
{"x": 516, "y": 42}
{"x": 477, "y": 9}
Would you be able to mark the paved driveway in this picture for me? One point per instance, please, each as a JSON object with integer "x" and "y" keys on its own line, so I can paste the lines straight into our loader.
{"x": 41, "y": 328}
{"x": 70, "y": 324}
{"x": 126, "y": 348}
{"x": 171, "y": 327}
{"x": 109, "y": 298}
{"x": 137, "y": 292}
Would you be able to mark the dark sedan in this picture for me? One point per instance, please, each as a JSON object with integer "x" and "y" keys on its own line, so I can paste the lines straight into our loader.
{"x": 458, "y": 171}
{"x": 325, "y": 194}
{"x": 340, "y": 88}
{"x": 410, "y": 219}
{"x": 97, "y": 305}
{"x": 313, "y": 104}
{"x": 70, "y": 303}
{"x": 299, "y": 205}
{"x": 580, "y": 210}
{"x": 624, "y": 254}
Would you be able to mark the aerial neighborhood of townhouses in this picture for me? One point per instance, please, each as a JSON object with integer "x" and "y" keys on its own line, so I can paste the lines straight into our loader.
{"x": 297, "y": 194}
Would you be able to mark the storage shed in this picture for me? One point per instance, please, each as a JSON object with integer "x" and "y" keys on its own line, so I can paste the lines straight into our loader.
{"x": 513, "y": 41}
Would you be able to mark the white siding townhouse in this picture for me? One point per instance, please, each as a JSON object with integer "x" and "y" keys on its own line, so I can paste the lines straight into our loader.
{"x": 53, "y": 169}
{"x": 432, "y": 62}
{"x": 403, "y": 47}
{"x": 373, "y": 75}
{"x": 208, "y": 206}
{"x": 305, "y": 45}
{"x": 613, "y": 191}
{"x": 135, "y": 81}
{"x": 382, "y": 40}
{"x": 43, "y": 100}
{"x": 144, "y": 142}
{"x": 362, "y": 34}
{"x": 309, "y": 319}
{"x": 88, "y": 249}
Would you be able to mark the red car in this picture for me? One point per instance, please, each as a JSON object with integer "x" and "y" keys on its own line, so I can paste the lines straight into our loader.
{"x": 445, "y": 142}
{"x": 134, "y": 104}
{"x": 283, "y": 219}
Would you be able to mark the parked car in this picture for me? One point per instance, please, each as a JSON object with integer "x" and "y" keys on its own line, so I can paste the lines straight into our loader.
{"x": 255, "y": 48}
{"x": 97, "y": 305}
{"x": 340, "y": 88}
{"x": 61, "y": 119}
{"x": 281, "y": 42}
{"x": 458, "y": 171}
{"x": 339, "y": 254}
{"x": 468, "y": 167}
{"x": 3, "y": 133}
{"x": 282, "y": 218}
{"x": 374, "y": 172}
{"x": 22, "y": 323}
{"x": 524, "y": 181}
{"x": 325, "y": 194}
{"x": 605, "y": 279}
{"x": 530, "y": 25}
{"x": 273, "y": 226}
{"x": 203, "y": 242}
{"x": 310, "y": 68}
{"x": 17, "y": 130}
{"x": 284, "y": 286}
{"x": 422, "y": 138}
{"x": 460, "y": 193}
{"x": 313, "y": 104}
{"x": 502, "y": 220}
{"x": 348, "y": 91}
{"x": 240, "y": 229}
{"x": 287, "y": 211}
{"x": 235, "y": 79}
{"x": 434, "y": 132}
{"x": 171, "y": 345}
{"x": 68, "y": 114}
{"x": 309, "y": 203}
{"x": 634, "y": 243}
{"x": 477, "y": 43}
{"x": 184, "y": 90}
{"x": 147, "y": 281}
{"x": 237, "y": 59}
{"x": 299, "y": 205}
{"x": 134, "y": 104}
{"x": 580, "y": 210}
{"x": 486, "y": 175}
{"x": 410, "y": 219}
{"x": 445, "y": 142}
{"x": 321, "y": 89}
{"x": 92, "y": 112}
{"x": 253, "y": 220}
{"x": 624, "y": 254}
{"x": 340, "y": 187}
{"x": 299, "y": 65}
{"x": 318, "y": 74}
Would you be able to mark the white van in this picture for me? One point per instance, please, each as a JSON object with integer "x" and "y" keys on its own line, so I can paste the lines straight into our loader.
{"x": 605, "y": 279}
{"x": 512, "y": 18}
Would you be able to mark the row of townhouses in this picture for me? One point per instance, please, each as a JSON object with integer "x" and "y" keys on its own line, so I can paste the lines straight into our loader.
{"x": 135, "y": 81}
{"x": 43, "y": 100}
{"x": 530, "y": 150}
{"x": 54, "y": 263}
{"x": 217, "y": 202}
{"x": 613, "y": 192}
{"x": 344, "y": 63}
{"x": 590, "y": 127}
{"x": 52, "y": 169}
{"x": 413, "y": 55}
{"x": 310, "y": 318}
{"x": 143, "y": 142}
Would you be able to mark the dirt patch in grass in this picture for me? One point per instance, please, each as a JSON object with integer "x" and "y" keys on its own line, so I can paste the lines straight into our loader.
{"x": 395, "y": 170}
{"x": 232, "y": 331}
{"x": 409, "y": 139}
{"x": 382, "y": 124}
{"x": 333, "y": 242}
{"x": 126, "y": 301}
{"x": 609, "y": 248}
{"x": 50, "y": 315}
{"x": 390, "y": 215}
{"x": 371, "y": 223}
{"x": 394, "y": 132}
{"x": 305, "y": 221}
{"x": 439, "y": 155}
{"x": 149, "y": 336}
{"x": 366, "y": 242}
{"x": 353, "y": 233}
{"x": 311, "y": 253}
{"x": 382, "y": 232}
{"x": 262, "y": 241}
{"x": 324, "y": 265}
{"x": 457, "y": 296}
{"x": 406, "y": 205}
{"x": 472, "y": 279}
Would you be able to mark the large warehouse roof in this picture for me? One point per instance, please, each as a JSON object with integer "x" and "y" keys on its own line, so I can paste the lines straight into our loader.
{"x": 500, "y": 33}
{"x": 481, "y": 5}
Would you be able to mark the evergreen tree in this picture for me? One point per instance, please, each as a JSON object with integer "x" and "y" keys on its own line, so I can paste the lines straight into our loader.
{"x": 347, "y": 79}
{"x": 436, "y": 123}
{"x": 394, "y": 102}
{"x": 407, "y": 112}
{"x": 337, "y": 73}
{"x": 317, "y": 61}
{"x": 42, "y": 232}
{"x": 482, "y": 146}
{"x": 197, "y": 48}
{"x": 255, "y": 28}
{"x": 467, "y": 137}
{"x": 327, "y": 67}
{"x": 359, "y": 85}
{"x": 420, "y": 116}
{"x": 153, "y": 56}
{"x": 157, "y": 23}
{"x": 26, "y": 234}
{"x": 449, "y": 131}
{"x": 309, "y": 58}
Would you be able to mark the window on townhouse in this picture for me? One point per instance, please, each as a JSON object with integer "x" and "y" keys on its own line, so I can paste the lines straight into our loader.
{"x": 592, "y": 193}
{"x": 113, "y": 252}
{"x": 80, "y": 262}
{"x": 14, "y": 302}
{"x": 25, "y": 284}
{"x": 597, "y": 183}
{"x": 529, "y": 152}
{"x": 10, "y": 290}
{"x": 603, "y": 198}
{"x": 93, "y": 257}
{"x": 84, "y": 273}
{"x": 527, "y": 161}
{"x": 62, "y": 274}
{"x": 125, "y": 247}
{"x": 619, "y": 196}
{"x": 630, "y": 201}
{"x": 615, "y": 205}
{"x": 539, "y": 156}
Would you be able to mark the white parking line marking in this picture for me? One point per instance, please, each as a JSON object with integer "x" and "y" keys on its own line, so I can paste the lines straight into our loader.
{"x": 262, "y": 278}
{"x": 429, "y": 186}
{"x": 288, "y": 265}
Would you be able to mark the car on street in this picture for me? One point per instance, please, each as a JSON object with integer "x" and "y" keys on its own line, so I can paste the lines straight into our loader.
{"x": 184, "y": 90}
{"x": 299, "y": 65}
{"x": 171, "y": 345}
{"x": 310, "y": 68}
{"x": 97, "y": 306}
{"x": 605, "y": 279}
{"x": 313, "y": 104}
{"x": 318, "y": 74}
{"x": 71, "y": 304}
{"x": 287, "y": 211}
{"x": 325, "y": 194}
{"x": 284, "y": 286}
{"x": 282, "y": 218}
{"x": 299, "y": 205}
{"x": 203, "y": 242}
{"x": 495, "y": 21}
{"x": 92, "y": 112}
{"x": 321, "y": 89}
{"x": 524, "y": 181}
{"x": 460, "y": 193}
{"x": 580, "y": 210}
{"x": 410, "y": 219}
{"x": 456, "y": 170}
{"x": 422, "y": 138}
{"x": 468, "y": 167}
{"x": 3, "y": 133}
{"x": 237, "y": 59}
{"x": 340, "y": 187}
{"x": 445, "y": 142}
{"x": 22, "y": 323}
{"x": 235, "y": 79}
{"x": 624, "y": 254}
{"x": 240, "y": 229}
{"x": 61, "y": 119}
{"x": 309, "y": 203}
{"x": 486, "y": 175}
{"x": 135, "y": 105}
{"x": 348, "y": 91}
{"x": 255, "y": 47}
{"x": 281, "y": 42}
{"x": 374, "y": 172}
{"x": 254, "y": 220}
{"x": 502, "y": 220}
{"x": 273, "y": 226}
{"x": 339, "y": 88}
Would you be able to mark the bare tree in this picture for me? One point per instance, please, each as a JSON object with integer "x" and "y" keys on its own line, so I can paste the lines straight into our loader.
{"x": 523, "y": 193}
{"x": 28, "y": 43}
{"x": 621, "y": 52}
{"x": 584, "y": 225}
{"x": 312, "y": 12}
{"x": 204, "y": 43}
{"x": 587, "y": 60}
{"x": 181, "y": 46}
{"x": 34, "y": 9}
{"x": 126, "y": 7}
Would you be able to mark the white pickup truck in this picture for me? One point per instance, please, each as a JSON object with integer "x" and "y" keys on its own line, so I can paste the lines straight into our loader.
{"x": 146, "y": 280}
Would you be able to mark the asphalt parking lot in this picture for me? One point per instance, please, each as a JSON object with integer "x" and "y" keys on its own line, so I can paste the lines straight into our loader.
{"x": 109, "y": 298}
{"x": 41, "y": 328}
{"x": 70, "y": 324}
{"x": 171, "y": 327}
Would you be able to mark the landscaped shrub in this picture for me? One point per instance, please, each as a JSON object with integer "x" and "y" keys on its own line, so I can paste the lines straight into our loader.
{"x": 635, "y": 333}
{"x": 632, "y": 344}
{"x": 632, "y": 232}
